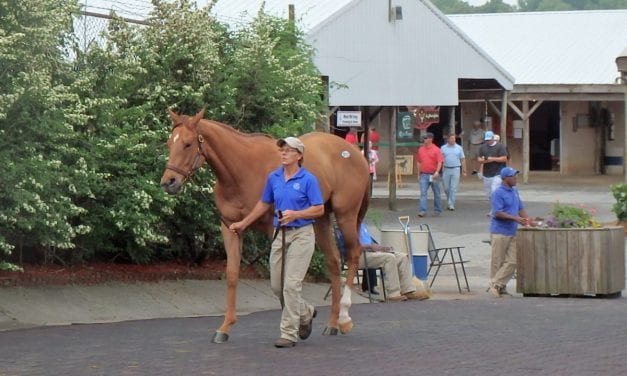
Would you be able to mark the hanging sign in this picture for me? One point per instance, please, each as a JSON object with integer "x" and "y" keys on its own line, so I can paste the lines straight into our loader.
{"x": 349, "y": 119}
{"x": 425, "y": 115}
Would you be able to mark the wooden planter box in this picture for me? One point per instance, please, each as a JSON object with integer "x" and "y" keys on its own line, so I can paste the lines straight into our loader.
{"x": 571, "y": 261}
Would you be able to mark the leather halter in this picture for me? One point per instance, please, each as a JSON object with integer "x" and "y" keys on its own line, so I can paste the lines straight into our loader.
{"x": 188, "y": 174}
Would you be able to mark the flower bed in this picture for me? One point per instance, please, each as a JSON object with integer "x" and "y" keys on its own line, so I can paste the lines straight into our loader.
{"x": 34, "y": 275}
{"x": 571, "y": 261}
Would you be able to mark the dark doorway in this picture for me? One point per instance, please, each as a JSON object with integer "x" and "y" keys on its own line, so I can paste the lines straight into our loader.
{"x": 544, "y": 134}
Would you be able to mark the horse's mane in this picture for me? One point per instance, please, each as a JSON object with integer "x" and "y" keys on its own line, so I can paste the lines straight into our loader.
{"x": 231, "y": 129}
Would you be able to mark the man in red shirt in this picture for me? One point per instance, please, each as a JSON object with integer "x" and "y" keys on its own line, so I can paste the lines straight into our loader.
{"x": 374, "y": 137}
{"x": 429, "y": 162}
{"x": 351, "y": 136}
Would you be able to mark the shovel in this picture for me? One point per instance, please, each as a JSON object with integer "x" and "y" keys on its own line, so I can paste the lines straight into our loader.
{"x": 421, "y": 287}
{"x": 404, "y": 220}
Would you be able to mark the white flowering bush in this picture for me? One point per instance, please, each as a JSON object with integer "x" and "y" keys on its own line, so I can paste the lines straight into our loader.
{"x": 82, "y": 139}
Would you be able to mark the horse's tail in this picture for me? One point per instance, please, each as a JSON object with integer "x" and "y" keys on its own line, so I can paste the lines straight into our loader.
{"x": 365, "y": 201}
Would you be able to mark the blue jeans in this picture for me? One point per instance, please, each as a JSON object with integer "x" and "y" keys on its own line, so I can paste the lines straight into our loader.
{"x": 450, "y": 180}
{"x": 424, "y": 187}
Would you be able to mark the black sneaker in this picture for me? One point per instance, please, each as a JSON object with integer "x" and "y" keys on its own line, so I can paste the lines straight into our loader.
{"x": 304, "y": 330}
{"x": 284, "y": 342}
{"x": 474, "y": 172}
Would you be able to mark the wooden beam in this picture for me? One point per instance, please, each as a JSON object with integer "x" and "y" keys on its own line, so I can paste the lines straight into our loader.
{"x": 375, "y": 114}
{"x": 575, "y": 97}
{"x": 525, "y": 110}
{"x": 516, "y": 110}
{"x": 494, "y": 108}
{"x": 503, "y": 114}
{"x": 534, "y": 108}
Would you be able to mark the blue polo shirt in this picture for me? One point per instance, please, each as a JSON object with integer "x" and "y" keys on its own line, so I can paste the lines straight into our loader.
{"x": 364, "y": 236}
{"x": 505, "y": 199}
{"x": 298, "y": 193}
{"x": 452, "y": 155}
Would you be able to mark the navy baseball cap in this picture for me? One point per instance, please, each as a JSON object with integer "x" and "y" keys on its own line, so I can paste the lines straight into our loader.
{"x": 507, "y": 172}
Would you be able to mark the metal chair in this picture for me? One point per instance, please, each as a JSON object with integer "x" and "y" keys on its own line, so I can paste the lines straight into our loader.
{"x": 438, "y": 256}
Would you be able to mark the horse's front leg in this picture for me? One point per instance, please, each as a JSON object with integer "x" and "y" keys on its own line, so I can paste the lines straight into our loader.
{"x": 233, "y": 245}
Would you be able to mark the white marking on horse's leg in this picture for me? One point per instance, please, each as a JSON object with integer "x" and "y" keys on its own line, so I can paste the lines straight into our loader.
{"x": 345, "y": 304}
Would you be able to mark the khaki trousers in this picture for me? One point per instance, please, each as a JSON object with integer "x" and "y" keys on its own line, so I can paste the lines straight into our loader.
{"x": 396, "y": 271}
{"x": 503, "y": 260}
{"x": 299, "y": 245}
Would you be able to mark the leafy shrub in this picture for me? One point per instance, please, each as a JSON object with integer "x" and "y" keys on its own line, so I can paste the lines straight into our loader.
{"x": 620, "y": 206}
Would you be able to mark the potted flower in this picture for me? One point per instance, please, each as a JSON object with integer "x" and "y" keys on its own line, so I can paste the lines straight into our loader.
{"x": 570, "y": 253}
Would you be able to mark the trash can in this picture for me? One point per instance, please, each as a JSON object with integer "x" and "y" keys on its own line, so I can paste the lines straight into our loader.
{"x": 395, "y": 237}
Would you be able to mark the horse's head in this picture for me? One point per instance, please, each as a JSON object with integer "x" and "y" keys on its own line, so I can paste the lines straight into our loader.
{"x": 186, "y": 155}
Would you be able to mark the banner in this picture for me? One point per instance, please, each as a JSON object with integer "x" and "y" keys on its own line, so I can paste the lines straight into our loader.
{"x": 405, "y": 126}
{"x": 425, "y": 115}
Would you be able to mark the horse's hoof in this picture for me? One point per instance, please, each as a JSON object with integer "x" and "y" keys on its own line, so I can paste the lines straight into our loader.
{"x": 220, "y": 337}
{"x": 329, "y": 331}
{"x": 346, "y": 327}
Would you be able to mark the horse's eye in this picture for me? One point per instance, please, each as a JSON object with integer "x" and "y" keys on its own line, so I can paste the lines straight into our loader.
{"x": 187, "y": 146}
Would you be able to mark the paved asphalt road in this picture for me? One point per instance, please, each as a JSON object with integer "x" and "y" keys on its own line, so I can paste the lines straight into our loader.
{"x": 530, "y": 336}
{"x": 456, "y": 334}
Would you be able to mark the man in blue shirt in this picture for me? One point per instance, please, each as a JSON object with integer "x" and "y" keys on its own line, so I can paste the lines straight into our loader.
{"x": 396, "y": 269}
{"x": 453, "y": 165}
{"x": 295, "y": 194}
{"x": 509, "y": 212}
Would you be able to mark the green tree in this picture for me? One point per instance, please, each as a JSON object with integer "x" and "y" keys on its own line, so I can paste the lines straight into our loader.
{"x": 83, "y": 138}
{"x": 186, "y": 60}
{"x": 38, "y": 146}
{"x": 277, "y": 88}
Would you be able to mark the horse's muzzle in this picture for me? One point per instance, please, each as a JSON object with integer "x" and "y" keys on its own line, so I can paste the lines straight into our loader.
{"x": 171, "y": 186}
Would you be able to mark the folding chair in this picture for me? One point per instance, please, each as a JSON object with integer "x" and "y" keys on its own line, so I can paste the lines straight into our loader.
{"x": 437, "y": 257}
{"x": 343, "y": 268}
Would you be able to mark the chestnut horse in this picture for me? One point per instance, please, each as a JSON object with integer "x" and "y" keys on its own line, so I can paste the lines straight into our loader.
{"x": 241, "y": 163}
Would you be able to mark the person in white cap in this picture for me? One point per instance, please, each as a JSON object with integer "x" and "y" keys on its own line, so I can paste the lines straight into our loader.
{"x": 493, "y": 157}
{"x": 509, "y": 212}
{"x": 297, "y": 199}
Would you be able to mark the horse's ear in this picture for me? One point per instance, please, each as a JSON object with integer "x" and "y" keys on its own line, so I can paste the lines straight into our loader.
{"x": 173, "y": 116}
{"x": 199, "y": 116}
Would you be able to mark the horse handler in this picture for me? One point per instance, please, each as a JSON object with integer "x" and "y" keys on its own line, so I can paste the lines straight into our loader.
{"x": 295, "y": 194}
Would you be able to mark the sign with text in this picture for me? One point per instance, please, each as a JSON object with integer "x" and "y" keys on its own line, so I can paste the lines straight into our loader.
{"x": 425, "y": 115}
{"x": 349, "y": 118}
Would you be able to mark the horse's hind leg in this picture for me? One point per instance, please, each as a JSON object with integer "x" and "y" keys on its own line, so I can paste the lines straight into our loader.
{"x": 348, "y": 225}
{"x": 326, "y": 242}
{"x": 233, "y": 246}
